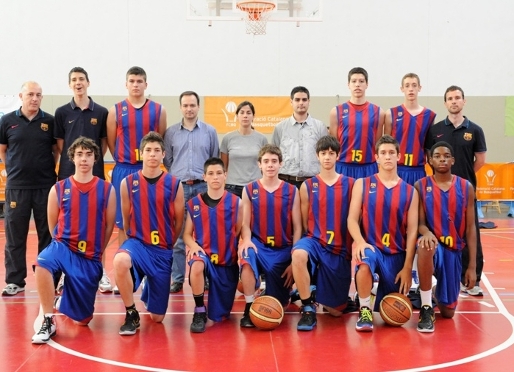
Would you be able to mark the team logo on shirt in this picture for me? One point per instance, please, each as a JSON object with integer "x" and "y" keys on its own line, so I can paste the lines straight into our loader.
{"x": 468, "y": 136}
{"x": 400, "y": 114}
{"x": 44, "y": 127}
{"x": 196, "y": 208}
{"x": 135, "y": 183}
{"x": 13, "y": 204}
{"x": 315, "y": 185}
{"x": 255, "y": 193}
{"x": 372, "y": 187}
{"x": 345, "y": 111}
{"x": 124, "y": 108}
{"x": 66, "y": 191}
{"x": 429, "y": 189}
{"x": 94, "y": 121}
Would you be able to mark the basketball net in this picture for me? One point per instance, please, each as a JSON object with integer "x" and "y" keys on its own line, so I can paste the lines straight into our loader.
{"x": 257, "y": 14}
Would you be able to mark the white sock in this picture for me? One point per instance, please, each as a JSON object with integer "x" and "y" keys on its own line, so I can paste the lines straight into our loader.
{"x": 426, "y": 297}
{"x": 365, "y": 302}
{"x": 249, "y": 299}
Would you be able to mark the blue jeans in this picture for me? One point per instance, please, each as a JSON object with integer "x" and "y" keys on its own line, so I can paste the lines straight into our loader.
{"x": 178, "y": 269}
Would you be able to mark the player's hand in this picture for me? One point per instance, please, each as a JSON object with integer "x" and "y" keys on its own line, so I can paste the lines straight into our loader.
{"x": 470, "y": 277}
{"x": 242, "y": 250}
{"x": 288, "y": 274}
{"x": 194, "y": 251}
{"x": 359, "y": 251}
{"x": 405, "y": 278}
{"x": 427, "y": 241}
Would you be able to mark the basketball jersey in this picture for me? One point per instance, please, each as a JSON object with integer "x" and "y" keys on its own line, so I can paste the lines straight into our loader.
{"x": 328, "y": 213}
{"x": 357, "y": 126}
{"x": 215, "y": 227}
{"x": 82, "y": 217}
{"x": 132, "y": 125}
{"x": 384, "y": 214}
{"x": 152, "y": 209}
{"x": 272, "y": 214}
{"x": 410, "y": 131}
{"x": 445, "y": 211}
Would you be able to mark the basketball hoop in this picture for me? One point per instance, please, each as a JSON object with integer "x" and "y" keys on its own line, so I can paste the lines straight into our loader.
{"x": 257, "y": 14}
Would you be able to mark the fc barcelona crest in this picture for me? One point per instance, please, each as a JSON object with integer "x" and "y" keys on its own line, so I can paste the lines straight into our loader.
{"x": 196, "y": 208}
{"x": 124, "y": 108}
{"x": 255, "y": 191}
{"x": 468, "y": 136}
{"x": 373, "y": 185}
{"x": 345, "y": 111}
{"x": 94, "y": 121}
{"x": 135, "y": 183}
{"x": 400, "y": 114}
{"x": 429, "y": 188}
{"x": 315, "y": 185}
{"x": 13, "y": 204}
{"x": 66, "y": 191}
{"x": 44, "y": 127}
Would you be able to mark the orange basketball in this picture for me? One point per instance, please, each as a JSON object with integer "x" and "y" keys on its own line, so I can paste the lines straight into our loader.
{"x": 266, "y": 313}
{"x": 395, "y": 309}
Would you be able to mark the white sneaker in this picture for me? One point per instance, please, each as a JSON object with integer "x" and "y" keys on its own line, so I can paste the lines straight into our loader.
{"x": 463, "y": 288}
{"x": 48, "y": 329}
{"x": 105, "y": 284}
{"x": 475, "y": 291}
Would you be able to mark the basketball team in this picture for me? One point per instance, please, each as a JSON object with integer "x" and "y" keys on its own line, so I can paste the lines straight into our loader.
{"x": 295, "y": 213}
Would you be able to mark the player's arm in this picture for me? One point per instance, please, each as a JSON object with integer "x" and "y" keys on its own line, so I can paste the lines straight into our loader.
{"x": 56, "y": 153}
{"x": 52, "y": 210}
{"x": 470, "y": 276}
{"x": 334, "y": 123}
{"x": 388, "y": 122}
{"x": 103, "y": 145}
{"x": 111, "y": 130}
{"x": 224, "y": 158}
{"x": 354, "y": 218}
{"x": 60, "y": 145}
{"x": 163, "y": 121}
{"x": 125, "y": 204}
{"x": 381, "y": 121}
{"x": 3, "y": 152}
{"x": 110, "y": 217}
{"x": 427, "y": 240}
{"x": 189, "y": 241}
{"x": 304, "y": 206}
{"x": 479, "y": 161}
{"x": 178, "y": 206}
{"x": 246, "y": 232}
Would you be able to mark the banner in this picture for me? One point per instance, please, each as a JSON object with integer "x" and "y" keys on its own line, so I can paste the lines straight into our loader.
{"x": 495, "y": 181}
{"x": 9, "y": 104}
{"x": 220, "y": 112}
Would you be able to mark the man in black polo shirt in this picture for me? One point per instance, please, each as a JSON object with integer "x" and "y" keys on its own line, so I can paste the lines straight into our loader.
{"x": 28, "y": 150}
{"x": 82, "y": 117}
{"x": 468, "y": 142}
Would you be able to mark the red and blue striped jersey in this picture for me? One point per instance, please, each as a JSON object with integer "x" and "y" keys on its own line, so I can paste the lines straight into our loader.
{"x": 215, "y": 227}
{"x": 152, "y": 209}
{"x": 384, "y": 214}
{"x": 272, "y": 214}
{"x": 356, "y": 130}
{"x": 445, "y": 211}
{"x": 328, "y": 213}
{"x": 82, "y": 216}
{"x": 410, "y": 131}
{"x": 131, "y": 126}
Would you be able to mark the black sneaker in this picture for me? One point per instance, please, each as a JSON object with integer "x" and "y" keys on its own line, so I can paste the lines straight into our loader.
{"x": 48, "y": 329}
{"x": 246, "y": 322}
{"x": 365, "y": 321}
{"x": 426, "y": 319}
{"x": 199, "y": 320}
{"x": 176, "y": 287}
{"x": 131, "y": 323}
{"x": 308, "y": 319}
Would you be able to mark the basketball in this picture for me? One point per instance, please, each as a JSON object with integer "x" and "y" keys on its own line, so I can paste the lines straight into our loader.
{"x": 395, "y": 309}
{"x": 266, "y": 313}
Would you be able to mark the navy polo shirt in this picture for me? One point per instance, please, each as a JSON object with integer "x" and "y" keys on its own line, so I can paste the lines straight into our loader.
{"x": 72, "y": 122}
{"x": 466, "y": 140}
{"x": 29, "y": 159}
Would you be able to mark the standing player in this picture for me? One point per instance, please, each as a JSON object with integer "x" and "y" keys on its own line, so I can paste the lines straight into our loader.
{"x": 357, "y": 125}
{"x": 383, "y": 221}
{"x": 446, "y": 225}
{"x": 212, "y": 231}
{"x": 468, "y": 142}
{"x": 82, "y": 117}
{"x": 409, "y": 124}
{"x": 127, "y": 123}
{"x": 152, "y": 203}
{"x": 81, "y": 211}
{"x": 271, "y": 225}
{"x": 326, "y": 248}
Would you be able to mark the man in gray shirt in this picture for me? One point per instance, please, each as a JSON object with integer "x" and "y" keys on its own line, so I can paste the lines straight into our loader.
{"x": 188, "y": 144}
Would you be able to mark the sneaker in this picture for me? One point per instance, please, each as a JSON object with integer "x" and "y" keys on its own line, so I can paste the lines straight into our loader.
{"x": 105, "y": 284}
{"x": 295, "y": 296}
{"x": 57, "y": 302}
{"x": 12, "y": 289}
{"x": 176, "y": 287}
{"x": 199, "y": 320}
{"x": 60, "y": 285}
{"x": 116, "y": 290}
{"x": 463, "y": 288}
{"x": 246, "y": 322}
{"x": 48, "y": 329}
{"x": 426, "y": 319}
{"x": 475, "y": 291}
{"x": 131, "y": 323}
{"x": 365, "y": 321}
{"x": 308, "y": 319}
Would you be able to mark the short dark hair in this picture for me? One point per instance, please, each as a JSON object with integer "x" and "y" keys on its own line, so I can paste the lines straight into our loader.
{"x": 386, "y": 139}
{"x": 189, "y": 93}
{"x": 243, "y": 104}
{"x": 86, "y": 143}
{"x": 79, "y": 70}
{"x": 151, "y": 137}
{"x": 358, "y": 70}
{"x": 213, "y": 161}
{"x": 136, "y": 70}
{"x": 441, "y": 144}
{"x": 300, "y": 89}
{"x": 270, "y": 149}
{"x": 328, "y": 143}
{"x": 453, "y": 88}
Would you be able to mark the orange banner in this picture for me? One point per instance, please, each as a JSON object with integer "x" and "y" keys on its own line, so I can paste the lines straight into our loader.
{"x": 495, "y": 181}
{"x": 220, "y": 112}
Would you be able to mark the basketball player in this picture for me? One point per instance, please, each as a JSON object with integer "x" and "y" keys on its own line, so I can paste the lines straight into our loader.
{"x": 357, "y": 125}
{"x": 383, "y": 221}
{"x": 446, "y": 225}
{"x": 152, "y": 203}
{"x": 81, "y": 211}
{"x": 212, "y": 230}
{"x": 325, "y": 250}
{"x": 271, "y": 225}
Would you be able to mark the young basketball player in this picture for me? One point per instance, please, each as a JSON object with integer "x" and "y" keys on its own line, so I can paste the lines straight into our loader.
{"x": 152, "y": 204}
{"x": 383, "y": 221}
{"x": 212, "y": 230}
{"x": 446, "y": 225}
{"x": 325, "y": 250}
{"x": 271, "y": 225}
{"x": 81, "y": 211}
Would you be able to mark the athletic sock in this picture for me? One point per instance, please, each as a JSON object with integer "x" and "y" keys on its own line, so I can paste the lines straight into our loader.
{"x": 426, "y": 297}
{"x": 199, "y": 300}
{"x": 365, "y": 302}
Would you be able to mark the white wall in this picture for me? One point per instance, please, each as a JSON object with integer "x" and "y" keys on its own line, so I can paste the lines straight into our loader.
{"x": 464, "y": 42}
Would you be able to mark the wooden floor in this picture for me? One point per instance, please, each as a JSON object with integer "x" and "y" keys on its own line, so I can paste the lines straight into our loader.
{"x": 479, "y": 338}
